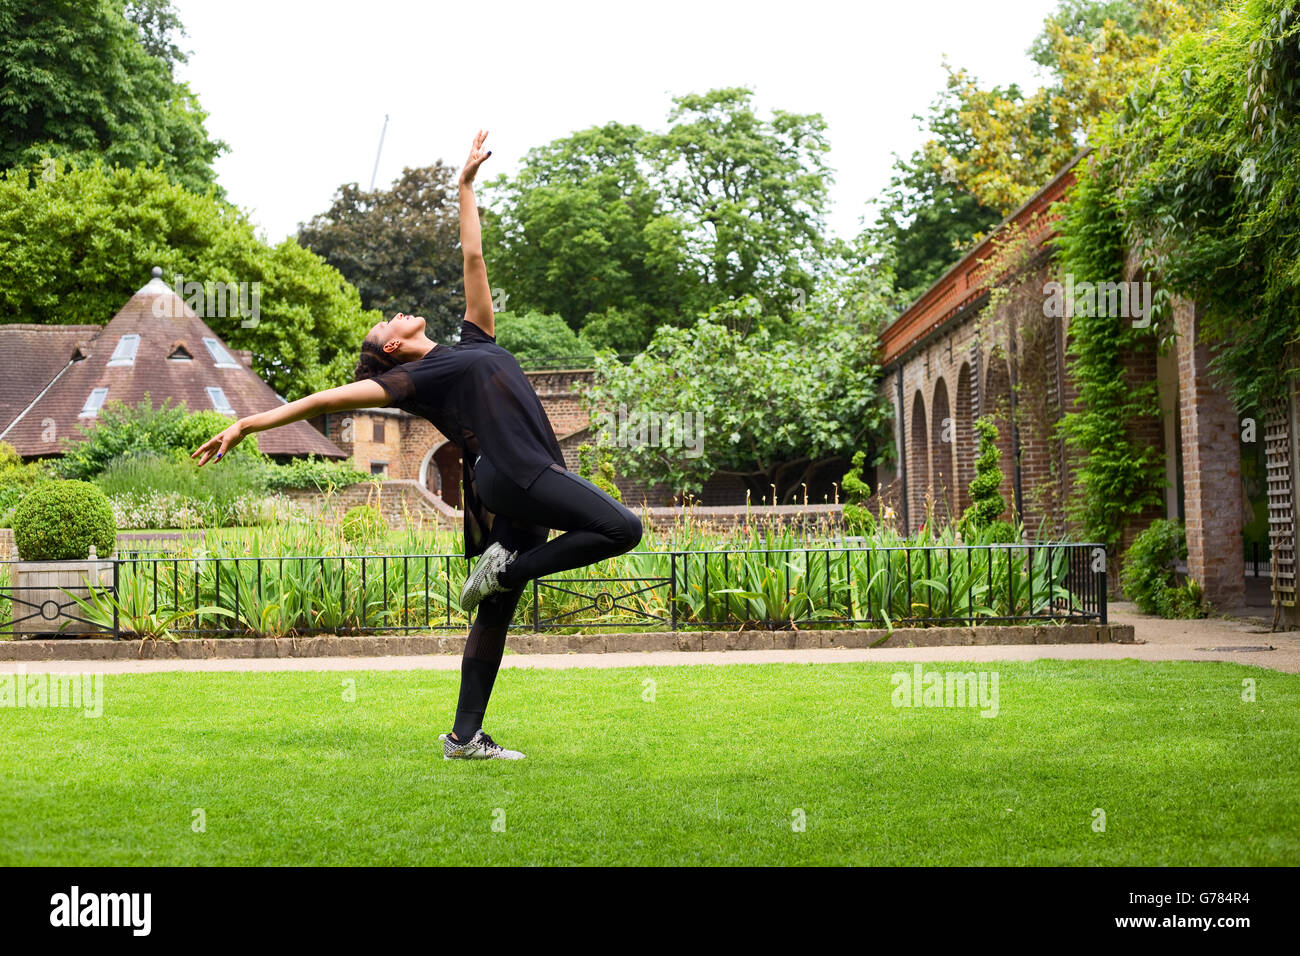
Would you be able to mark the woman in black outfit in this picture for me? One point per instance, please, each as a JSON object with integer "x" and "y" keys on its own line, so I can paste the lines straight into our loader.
{"x": 517, "y": 488}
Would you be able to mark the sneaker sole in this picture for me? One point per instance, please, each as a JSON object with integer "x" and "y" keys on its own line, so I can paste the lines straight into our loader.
{"x": 443, "y": 737}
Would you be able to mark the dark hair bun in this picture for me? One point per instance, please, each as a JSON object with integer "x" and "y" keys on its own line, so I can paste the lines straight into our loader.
{"x": 372, "y": 361}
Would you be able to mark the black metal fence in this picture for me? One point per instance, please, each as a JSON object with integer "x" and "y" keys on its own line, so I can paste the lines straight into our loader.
{"x": 155, "y": 594}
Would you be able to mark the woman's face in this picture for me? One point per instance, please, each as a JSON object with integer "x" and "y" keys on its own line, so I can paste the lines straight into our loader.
{"x": 402, "y": 327}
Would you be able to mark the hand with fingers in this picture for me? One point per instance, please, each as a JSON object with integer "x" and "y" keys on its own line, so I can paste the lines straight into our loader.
{"x": 216, "y": 447}
{"x": 476, "y": 156}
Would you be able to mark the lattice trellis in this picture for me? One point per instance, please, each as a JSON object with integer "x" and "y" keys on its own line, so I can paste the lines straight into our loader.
{"x": 1281, "y": 501}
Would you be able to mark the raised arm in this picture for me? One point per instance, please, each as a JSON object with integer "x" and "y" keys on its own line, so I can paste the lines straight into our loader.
{"x": 364, "y": 394}
{"x": 478, "y": 294}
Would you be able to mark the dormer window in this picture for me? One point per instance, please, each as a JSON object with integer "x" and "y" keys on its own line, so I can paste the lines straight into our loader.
{"x": 124, "y": 354}
{"x": 180, "y": 353}
{"x": 220, "y": 357}
{"x": 94, "y": 403}
{"x": 219, "y": 401}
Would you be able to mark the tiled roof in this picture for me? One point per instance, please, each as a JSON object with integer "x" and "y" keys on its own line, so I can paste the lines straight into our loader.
{"x": 161, "y": 327}
{"x": 30, "y": 357}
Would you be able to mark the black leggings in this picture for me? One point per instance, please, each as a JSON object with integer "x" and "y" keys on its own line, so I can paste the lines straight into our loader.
{"x": 595, "y": 526}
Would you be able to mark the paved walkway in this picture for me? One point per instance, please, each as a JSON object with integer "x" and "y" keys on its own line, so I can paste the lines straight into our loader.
{"x": 1214, "y": 639}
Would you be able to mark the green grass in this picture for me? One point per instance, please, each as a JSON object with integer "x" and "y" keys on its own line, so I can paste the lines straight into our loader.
{"x": 710, "y": 772}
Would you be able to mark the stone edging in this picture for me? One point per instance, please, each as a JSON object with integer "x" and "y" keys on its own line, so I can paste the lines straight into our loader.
{"x": 400, "y": 646}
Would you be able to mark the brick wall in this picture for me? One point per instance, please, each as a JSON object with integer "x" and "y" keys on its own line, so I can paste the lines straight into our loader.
{"x": 1211, "y": 469}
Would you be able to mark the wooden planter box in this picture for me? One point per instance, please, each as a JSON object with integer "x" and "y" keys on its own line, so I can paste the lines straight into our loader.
{"x": 40, "y": 606}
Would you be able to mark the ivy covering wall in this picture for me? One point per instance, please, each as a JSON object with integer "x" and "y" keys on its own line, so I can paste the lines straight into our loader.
{"x": 1197, "y": 176}
{"x": 1118, "y": 477}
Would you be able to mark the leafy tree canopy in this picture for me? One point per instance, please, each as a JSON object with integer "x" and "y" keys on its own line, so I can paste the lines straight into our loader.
{"x": 755, "y": 191}
{"x": 1094, "y": 51}
{"x": 582, "y": 232}
{"x": 399, "y": 246}
{"x": 541, "y": 341}
{"x": 926, "y": 217}
{"x": 93, "y": 78}
{"x": 620, "y": 230}
{"x": 772, "y": 411}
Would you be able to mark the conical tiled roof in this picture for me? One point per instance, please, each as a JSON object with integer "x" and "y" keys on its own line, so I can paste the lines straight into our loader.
{"x": 43, "y": 391}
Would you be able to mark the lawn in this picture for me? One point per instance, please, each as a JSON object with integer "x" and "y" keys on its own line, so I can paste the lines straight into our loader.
{"x": 717, "y": 768}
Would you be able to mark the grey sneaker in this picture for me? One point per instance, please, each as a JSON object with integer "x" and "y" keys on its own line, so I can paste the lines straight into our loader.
{"x": 482, "y": 581}
{"x": 478, "y": 747}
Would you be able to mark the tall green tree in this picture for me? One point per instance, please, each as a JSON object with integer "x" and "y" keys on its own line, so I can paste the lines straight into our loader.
{"x": 1094, "y": 52}
{"x": 620, "y": 230}
{"x": 754, "y": 192}
{"x": 79, "y": 78}
{"x": 160, "y": 27}
{"x": 582, "y": 232}
{"x": 925, "y": 215}
{"x": 80, "y": 243}
{"x": 399, "y": 246}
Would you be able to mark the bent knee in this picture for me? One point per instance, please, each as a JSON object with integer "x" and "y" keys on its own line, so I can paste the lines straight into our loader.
{"x": 626, "y": 531}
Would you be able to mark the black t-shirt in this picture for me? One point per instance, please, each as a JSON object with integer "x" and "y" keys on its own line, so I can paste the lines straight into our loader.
{"x": 476, "y": 394}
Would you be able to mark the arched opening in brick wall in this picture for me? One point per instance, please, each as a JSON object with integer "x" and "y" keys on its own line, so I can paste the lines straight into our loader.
{"x": 918, "y": 463}
{"x": 941, "y": 435}
{"x": 963, "y": 439}
{"x": 441, "y": 472}
{"x": 997, "y": 407}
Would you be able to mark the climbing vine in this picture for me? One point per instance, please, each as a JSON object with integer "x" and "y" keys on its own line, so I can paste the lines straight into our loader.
{"x": 1206, "y": 157}
{"x": 1196, "y": 175}
{"x": 1014, "y": 278}
{"x": 1117, "y": 476}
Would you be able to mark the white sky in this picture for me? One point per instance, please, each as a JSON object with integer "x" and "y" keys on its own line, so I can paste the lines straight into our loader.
{"x": 299, "y": 89}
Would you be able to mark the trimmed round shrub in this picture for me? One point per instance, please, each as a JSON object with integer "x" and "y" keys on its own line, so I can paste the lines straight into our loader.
{"x": 60, "y": 520}
{"x": 1000, "y": 532}
{"x": 363, "y": 523}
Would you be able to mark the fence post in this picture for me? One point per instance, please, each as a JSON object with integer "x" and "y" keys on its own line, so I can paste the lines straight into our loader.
{"x": 672, "y": 589}
{"x": 1101, "y": 596}
{"x": 116, "y": 623}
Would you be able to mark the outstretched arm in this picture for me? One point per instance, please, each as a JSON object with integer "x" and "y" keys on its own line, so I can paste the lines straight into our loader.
{"x": 478, "y": 294}
{"x": 364, "y": 394}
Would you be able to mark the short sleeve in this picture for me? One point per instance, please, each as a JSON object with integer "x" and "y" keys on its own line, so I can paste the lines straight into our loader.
{"x": 399, "y": 383}
{"x": 422, "y": 384}
{"x": 469, "y": 332}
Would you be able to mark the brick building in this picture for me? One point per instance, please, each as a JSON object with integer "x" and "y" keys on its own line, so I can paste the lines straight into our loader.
{"x": 961, "y": 351}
